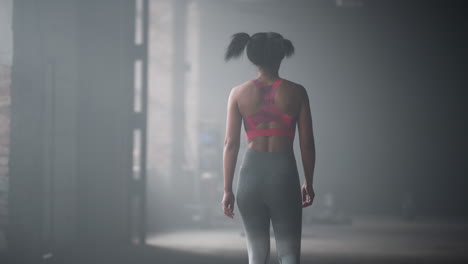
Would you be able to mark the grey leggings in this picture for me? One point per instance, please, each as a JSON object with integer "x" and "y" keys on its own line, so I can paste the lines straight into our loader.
{"x": 268, "y": 188}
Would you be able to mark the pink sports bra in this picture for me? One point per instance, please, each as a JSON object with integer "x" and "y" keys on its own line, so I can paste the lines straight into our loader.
{"x": 269, "y": 112}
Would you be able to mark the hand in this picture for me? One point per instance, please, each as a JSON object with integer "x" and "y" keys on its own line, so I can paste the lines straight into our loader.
{"x": 228, "y": 204}
{"x": 308, "y": 194}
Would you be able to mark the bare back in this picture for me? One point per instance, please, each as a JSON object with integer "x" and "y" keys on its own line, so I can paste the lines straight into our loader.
{"x": 289, "y": 98}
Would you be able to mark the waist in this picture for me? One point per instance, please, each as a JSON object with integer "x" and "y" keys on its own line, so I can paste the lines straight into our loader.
{"x": 263, "y": 165}
{"x": 268, "y": 156}
{"x": 271, "y": 143}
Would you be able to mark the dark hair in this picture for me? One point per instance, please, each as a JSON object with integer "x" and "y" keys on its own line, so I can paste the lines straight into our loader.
{"x": 266, "y": 49}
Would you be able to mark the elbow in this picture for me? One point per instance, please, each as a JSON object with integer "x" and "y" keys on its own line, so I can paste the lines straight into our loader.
{"x": 231, "y": 144}
{"x": 308, "y": 144}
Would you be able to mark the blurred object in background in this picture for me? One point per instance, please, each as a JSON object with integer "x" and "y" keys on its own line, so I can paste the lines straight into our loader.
{"x": 173, "y": 114}
{"x": 328, "y": 212}
{"x": 210, "y": 175}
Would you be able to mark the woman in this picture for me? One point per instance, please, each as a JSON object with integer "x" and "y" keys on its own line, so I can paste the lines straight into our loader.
{"x": 268, "y": 185}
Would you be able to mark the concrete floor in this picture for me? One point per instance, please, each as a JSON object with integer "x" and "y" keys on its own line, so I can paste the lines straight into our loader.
{"x": 366, "y": 240}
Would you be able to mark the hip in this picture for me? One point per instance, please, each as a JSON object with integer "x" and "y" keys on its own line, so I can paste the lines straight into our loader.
{"x": 268, "y": 167}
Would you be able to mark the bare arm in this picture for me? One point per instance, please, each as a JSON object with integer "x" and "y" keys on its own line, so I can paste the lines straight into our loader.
{"x": 231, "y": 141}
{"x": 306, "y": 138}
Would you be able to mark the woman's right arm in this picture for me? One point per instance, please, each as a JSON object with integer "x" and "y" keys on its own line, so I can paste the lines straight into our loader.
{"x": 307, "y": 145}
{"x": 231, "y": 149}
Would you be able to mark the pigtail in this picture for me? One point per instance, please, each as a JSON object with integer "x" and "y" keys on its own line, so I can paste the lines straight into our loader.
{"x": 237, "y": 45}
{"x": 288, "y": 48}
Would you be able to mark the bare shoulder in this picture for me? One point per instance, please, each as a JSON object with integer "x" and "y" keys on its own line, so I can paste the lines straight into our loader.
{"x": 241, "y": 88}
{"x": 296, "y": 88}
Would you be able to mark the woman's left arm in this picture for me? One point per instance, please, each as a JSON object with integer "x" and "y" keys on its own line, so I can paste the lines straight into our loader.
{"x": 231, "y": 149}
